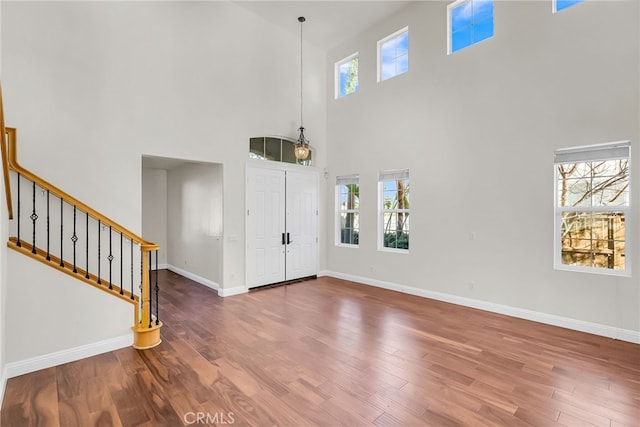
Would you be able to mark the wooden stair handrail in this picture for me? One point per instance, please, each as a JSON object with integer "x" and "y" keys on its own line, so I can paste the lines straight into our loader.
{"x": 5, "y": 160}
{"x": 146, "y": 331}
{"x": 145, "y": 245}
{"x": 67, "y": 268}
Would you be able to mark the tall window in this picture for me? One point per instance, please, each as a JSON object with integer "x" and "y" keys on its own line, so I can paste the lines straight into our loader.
{"x": 559, "y": 5}
{"x": 347, "y": 76}
{"x": 592, "y": 205}
{"x": 393, "y": 54}
{"x": 348, "y": 210}
{"x": 393, "y": 218}
{"x": 469, "y": 22}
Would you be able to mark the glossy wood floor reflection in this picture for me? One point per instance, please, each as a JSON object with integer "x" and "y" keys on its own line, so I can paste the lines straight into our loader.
{"x": 333, "y": 353}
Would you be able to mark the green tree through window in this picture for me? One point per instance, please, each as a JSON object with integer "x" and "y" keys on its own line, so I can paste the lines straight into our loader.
{"x": 394, "y": 210}
{"x": 347, "y": 76}
{"x": 348, "y": 221}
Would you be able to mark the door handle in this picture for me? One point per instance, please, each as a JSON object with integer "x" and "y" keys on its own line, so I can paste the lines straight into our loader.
{"x": 289, "y": 241}
{"x": 283, "y": 240}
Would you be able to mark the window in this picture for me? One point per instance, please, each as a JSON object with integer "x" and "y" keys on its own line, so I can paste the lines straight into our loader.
{"x": 559, "y": 5}
{"x": 347, "y": 76}
{"x": 469, "y": 22}
{"x": 591, "y": 208}
{"x": 276, "y": 149}
{"x": 393, "y": 218}
{"x": 393, "y": 54}
{"x": 348, "y": 221}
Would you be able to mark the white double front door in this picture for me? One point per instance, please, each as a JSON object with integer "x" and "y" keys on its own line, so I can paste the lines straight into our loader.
{"x": 282, "y": 225}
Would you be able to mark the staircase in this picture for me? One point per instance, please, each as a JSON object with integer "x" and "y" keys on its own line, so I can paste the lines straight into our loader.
{"x": 56, "y": 229}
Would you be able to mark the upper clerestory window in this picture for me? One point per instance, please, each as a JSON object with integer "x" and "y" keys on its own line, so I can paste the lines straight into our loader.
{"x": 559, "y": 5}
{"x": 469, "y": 22}
{"x": 393, "y": 54}
{"x": 347, "y": 76}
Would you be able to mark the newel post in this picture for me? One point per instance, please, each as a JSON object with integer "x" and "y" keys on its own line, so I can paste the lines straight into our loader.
{"x": 146, "y": 330}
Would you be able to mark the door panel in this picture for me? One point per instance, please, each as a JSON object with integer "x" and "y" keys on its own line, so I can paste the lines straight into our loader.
{"x": 302, "y": 224}
{"x": 281, "y": 202}
{"x": 265, "y": 224}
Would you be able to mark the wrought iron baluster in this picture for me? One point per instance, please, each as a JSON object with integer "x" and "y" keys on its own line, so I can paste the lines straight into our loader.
{"x": 132, "y": 297}
{"x": 34, "y": 218}
{"x": 121, "y": 257}
{"x": 61, "y": 231}
{"x": 110, "y": 258}
{"x": 157, "y": 291}
{"x": 18, "y": 242}
{"x": 74, "y": 239}
{"x": 48, "y": 229}
{"x": 86, "y": 276}
{"x": 99, "y": 249}
{"x": 150, "y": 293}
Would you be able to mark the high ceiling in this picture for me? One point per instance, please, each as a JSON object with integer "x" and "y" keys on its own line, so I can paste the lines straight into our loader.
{"x": 328, "y": 22}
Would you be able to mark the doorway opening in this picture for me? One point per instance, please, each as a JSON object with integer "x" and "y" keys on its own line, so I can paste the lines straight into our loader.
{"x": 182, "y": 210}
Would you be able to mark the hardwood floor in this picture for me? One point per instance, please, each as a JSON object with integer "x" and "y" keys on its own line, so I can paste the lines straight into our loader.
{"x": 329, "y": 352}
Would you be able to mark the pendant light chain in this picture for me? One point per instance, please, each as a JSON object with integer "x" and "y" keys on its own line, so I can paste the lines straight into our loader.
{"x": 301, "y": 19}
{"x": 301, "y": 149}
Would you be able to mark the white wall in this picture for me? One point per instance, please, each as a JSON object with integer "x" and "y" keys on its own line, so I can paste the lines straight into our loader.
{"x": 37, "y": 325}
{"x": 154, "y": 209}
{"x": 4, "y": 236}
{"x": 477, "y": 130}
{"x": 3, "y": 262}
{"x": 195, "y": 226}
{"x": 94, "y": 86}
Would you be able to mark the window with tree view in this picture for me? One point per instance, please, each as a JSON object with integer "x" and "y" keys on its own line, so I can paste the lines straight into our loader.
{"x": 394, "y": 210}
{"x": 348, "y": 221}
{"x": 592, "y": 205}
{"x": 347, "y": 76}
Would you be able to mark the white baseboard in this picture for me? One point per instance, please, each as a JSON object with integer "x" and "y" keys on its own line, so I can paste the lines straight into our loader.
{"x": 3, "y": 384}
{"x": 628, "y": 335}
{"x": 45, "y": 361}
{"x": 206, "y": 282}
{"x": 549, "y": 319}
{"x": 229, "y": 292}
{"x": 162, "y": 266}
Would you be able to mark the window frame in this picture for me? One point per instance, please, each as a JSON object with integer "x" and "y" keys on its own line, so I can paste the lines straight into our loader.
{"x": 450, "y": 8}
{"x": 337, "y": 66}
{"x": 586, "y": 154}
{"x": 390, "y": 176}
{"x": 379, "y": 50}
{"x": 342, "y": 181}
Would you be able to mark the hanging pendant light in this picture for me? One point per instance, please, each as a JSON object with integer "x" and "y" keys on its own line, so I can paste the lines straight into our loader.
{"x": 301, "y": 149}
